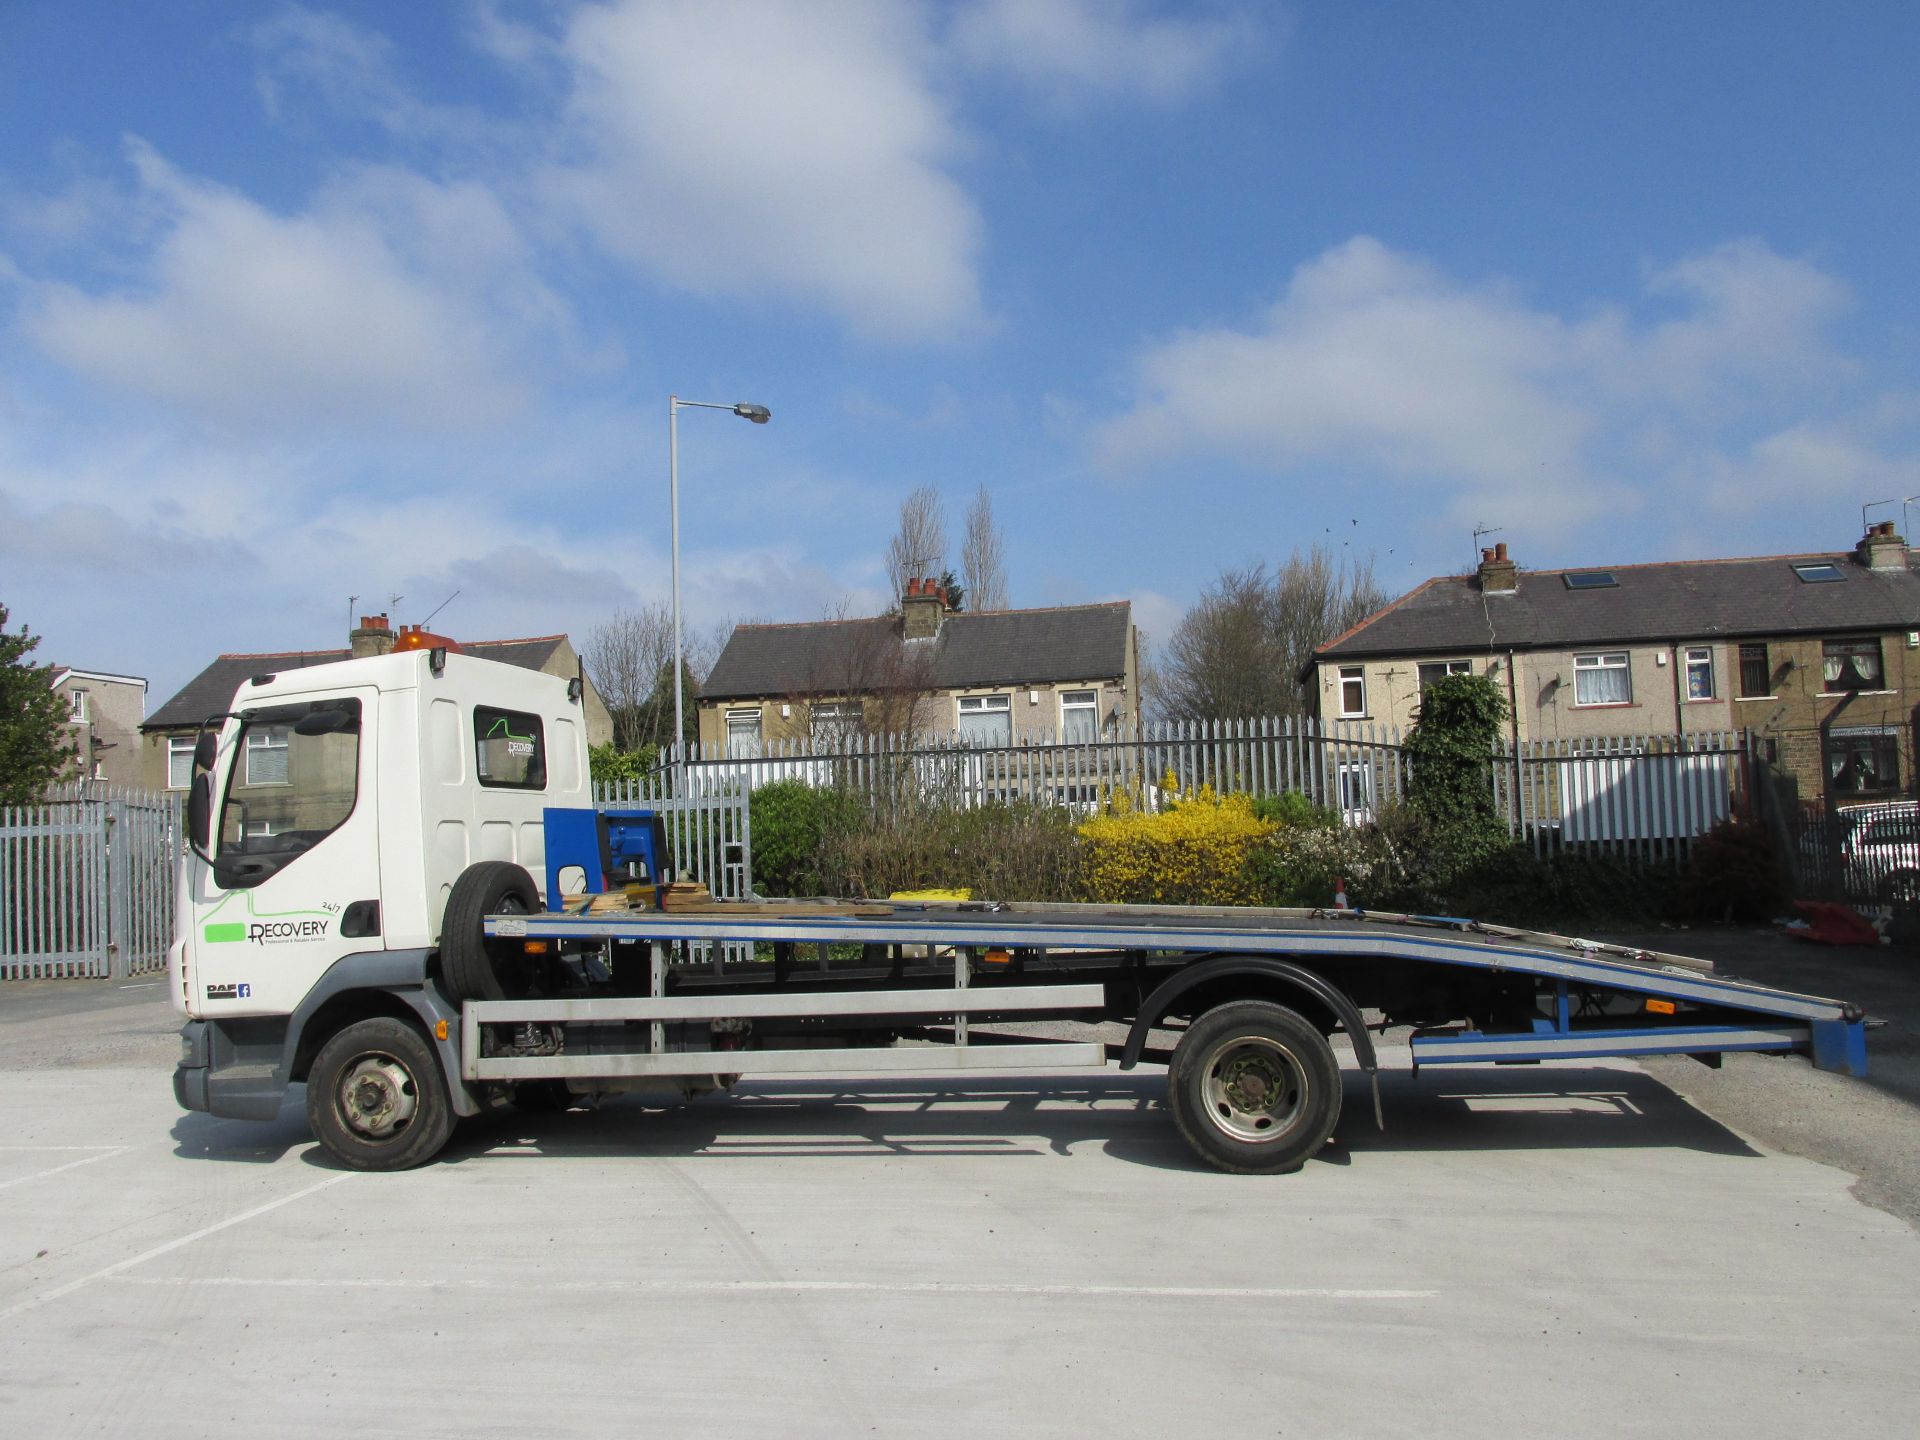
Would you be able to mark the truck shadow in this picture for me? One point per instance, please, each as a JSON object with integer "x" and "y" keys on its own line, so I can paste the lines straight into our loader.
{"x": 1123, "y": 1116}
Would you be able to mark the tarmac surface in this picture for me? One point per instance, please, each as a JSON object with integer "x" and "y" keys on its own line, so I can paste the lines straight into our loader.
{"x": 1569, "y": 1249}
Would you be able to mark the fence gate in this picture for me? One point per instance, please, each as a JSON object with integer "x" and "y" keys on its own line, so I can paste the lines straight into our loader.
{"x": 86, "y": 884}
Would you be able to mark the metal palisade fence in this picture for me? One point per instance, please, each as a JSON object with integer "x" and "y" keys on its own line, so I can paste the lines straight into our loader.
{"x": 86, "y": 883}
{"x": 1644, "y": 796}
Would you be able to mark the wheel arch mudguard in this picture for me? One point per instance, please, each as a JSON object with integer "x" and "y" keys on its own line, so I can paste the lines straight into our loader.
{"x": 400, "y": 977}
{"x": 1273, "y": 972}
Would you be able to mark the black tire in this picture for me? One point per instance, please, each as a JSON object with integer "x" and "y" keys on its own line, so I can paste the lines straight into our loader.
{"x": 1254, "y": 1088}
{"x": 474, "y": 967}
{"x": 376, "y": 1097}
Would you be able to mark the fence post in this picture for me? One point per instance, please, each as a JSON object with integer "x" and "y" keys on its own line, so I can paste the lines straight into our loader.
{"x": 119, "y": 877}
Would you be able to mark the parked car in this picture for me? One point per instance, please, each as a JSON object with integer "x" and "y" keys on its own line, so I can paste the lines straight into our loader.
{"x": 1867, "y": 852}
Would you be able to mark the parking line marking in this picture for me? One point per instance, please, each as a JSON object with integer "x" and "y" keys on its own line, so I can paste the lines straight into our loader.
{"x": 853, "y": 1287}
{"x": 70, "y": 1165}
{"x": 107, "y": 1272}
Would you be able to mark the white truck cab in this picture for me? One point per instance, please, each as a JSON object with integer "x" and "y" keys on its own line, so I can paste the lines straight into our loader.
{"x": 333, "y": 810}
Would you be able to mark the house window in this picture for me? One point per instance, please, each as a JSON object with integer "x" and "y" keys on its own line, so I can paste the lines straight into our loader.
{"x": 1433, "y": 670}
{"x": 1850, "y": 665}
{"x": 267, "y": 756}
{"x": 743, "y": 734}
{"x": 179, "y": 761}
{"x": 1355, "y": 778}
{"x": 1862, "y": 763}
{"x": 1353, "y": 690}
{"x": 1699, "y": 660}
{"x": 827, "y": 720}
{"x": 78, "y": 698}
{"x": 1602, "y": 679}
{"x": 1079, "y": 716}
{"x": 1756, "y": 676}
{"x": 986, "y": 719}
{"x": 509, "y": 749}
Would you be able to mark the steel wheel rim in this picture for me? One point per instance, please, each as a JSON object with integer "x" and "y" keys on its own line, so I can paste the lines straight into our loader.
{"x": 378, "y": 1097}
{"x": 1254, "y": 1088}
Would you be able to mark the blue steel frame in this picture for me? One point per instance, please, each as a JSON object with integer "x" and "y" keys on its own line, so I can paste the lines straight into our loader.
{"x": 602, "y": 842}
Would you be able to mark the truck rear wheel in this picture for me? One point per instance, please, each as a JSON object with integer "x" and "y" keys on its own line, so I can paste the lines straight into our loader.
{"x": 376, "y": 1098}
{"x": 1254, "y": 1088}
{"x": 474, "y": 967}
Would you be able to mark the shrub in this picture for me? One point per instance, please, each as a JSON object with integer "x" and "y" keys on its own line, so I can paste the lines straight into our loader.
{"x": 999, "y": 850}
{"x": 1305, "y": 866}
{"x": 1733, "y": 874}
{"x": 1292, "y": 808}
{"x": 1197, "y": 852}
{"x": 610, "y": 763}
{"x": 1450, "y": 787}
{"x": 792, "y": 824}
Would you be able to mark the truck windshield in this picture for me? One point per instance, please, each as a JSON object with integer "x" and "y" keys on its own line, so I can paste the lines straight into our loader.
{"x": 291, "y": 787}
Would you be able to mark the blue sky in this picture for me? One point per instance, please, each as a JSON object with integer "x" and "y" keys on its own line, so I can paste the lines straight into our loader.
{"x": 299, "y": 302}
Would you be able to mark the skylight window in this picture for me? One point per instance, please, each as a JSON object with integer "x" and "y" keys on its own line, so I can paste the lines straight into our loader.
{"x": 1590, "y": 580}
{"x": 1819, "y": 572}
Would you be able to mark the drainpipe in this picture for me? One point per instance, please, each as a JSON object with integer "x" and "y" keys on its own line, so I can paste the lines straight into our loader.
{"x": 1514, "y": 811}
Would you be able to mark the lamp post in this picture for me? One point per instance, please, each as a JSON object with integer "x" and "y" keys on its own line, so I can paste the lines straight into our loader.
{"x": 759, "y": 415}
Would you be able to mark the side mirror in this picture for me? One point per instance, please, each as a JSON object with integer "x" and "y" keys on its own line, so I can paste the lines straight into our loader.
{"x": 206, "y": 747}
{"x": 200, "y": 808}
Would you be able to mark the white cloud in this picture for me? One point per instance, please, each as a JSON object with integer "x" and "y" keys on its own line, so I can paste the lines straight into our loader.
{"x": 1067, "y": 49}
{"x": 374, "y": 305}
{"x": 752, "y": 148}
{"x": 1376, "y": 361}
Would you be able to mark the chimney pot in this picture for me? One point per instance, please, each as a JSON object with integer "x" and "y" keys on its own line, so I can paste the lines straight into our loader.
{"x": 1500, "y": 550}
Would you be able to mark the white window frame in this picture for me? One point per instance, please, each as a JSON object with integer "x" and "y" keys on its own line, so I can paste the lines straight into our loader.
{"x": 1446, "y": 668}
{"x": 1698, "y": 657}
{"x": 1604, "y": 662}
{"x": 1001, "y": 704}
{"x": 835, "y": 719}
{"x": 737, "y": 721}
{"x": 77, "y": 700}
{"x": 265, "y": 741}
{"x": 1355, "y": 707}
{"x": 180, "y": 761}
{"x": 1354, "y": 786}
{"x": 1079, "y": 701}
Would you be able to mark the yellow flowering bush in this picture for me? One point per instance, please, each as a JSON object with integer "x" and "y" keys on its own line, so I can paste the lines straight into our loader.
{"x": 1195, "y": 852}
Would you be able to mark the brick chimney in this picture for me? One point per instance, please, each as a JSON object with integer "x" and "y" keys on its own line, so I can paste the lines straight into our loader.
{"x": 373, "y": 637}
{"x": 1881, "y": 549}
{"x": 921, "y": 609}
{"x": 1498, "y": 574}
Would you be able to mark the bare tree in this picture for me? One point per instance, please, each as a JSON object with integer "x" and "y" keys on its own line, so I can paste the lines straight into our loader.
{"x": 919, "y": 548}
{"x": 863, "y": 678}
{"x": 982, "y": 561}
{"x": 1238, "y": 653}
{"x": 630, "y": 658}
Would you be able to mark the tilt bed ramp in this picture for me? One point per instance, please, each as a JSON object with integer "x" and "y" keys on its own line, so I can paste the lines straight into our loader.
{"x": 725, "y": 990}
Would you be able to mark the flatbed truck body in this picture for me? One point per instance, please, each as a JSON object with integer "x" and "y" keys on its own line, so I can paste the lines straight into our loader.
{"x": 496, "y": 987}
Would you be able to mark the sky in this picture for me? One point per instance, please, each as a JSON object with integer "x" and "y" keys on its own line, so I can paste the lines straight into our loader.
{"x": 307, "y": 302}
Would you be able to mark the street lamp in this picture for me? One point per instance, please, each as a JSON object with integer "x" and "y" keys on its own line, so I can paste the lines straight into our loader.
{"x": 759, "y": 415}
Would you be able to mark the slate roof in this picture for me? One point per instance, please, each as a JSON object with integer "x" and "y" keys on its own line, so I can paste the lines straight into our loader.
{"x": 1676, "y": 601}
{"x": 212, "y": 690}
{"x": 993, "y": 647}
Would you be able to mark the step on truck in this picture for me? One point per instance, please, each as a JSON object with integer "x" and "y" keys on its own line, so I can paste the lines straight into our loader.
{"x": 398, "y": 893}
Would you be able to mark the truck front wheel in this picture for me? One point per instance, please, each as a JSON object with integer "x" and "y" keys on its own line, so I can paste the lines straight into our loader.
{"x": 376, "y": 1098}
{"x": 1254, "y": 1088}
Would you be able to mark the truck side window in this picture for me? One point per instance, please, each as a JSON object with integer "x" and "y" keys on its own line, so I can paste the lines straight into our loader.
{"x": 294, "y": 778}
{"x": 510, "y": 750}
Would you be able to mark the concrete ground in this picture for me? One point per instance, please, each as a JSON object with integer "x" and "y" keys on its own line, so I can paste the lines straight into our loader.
{"x": 1569, "y": 1249}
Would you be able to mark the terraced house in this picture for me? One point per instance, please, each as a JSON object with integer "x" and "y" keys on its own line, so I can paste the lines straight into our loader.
{"x": 1818, "y": 654}
{"x": 991, "y": 678}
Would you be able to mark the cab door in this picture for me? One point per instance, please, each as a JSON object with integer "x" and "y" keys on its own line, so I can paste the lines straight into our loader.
{"x": 295, "y": 879}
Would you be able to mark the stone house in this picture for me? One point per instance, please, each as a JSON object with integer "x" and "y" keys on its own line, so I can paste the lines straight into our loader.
{"x": 104, "y": 726}
{"x": 1818, "y": 654}
{"x": 997, "y": 677}
{"x": 167, "y": 736}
